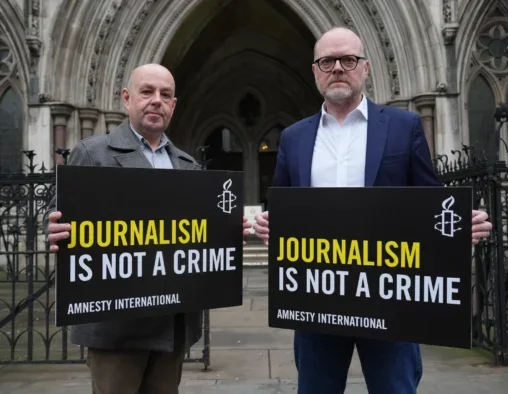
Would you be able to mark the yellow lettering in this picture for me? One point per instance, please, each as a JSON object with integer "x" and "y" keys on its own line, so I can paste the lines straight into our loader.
{"x": 120, "y": 229}
{"x": 410, "y": 257}
{"x": 162, "y": 240}
{"x": 281, "y": 249}
{"x": 82, "y": 234}
{"x": 395, "y": 260}
{"x": 72, "y": 242}
{"x": 104, "y": 240}
{"x": 339, "y": 251}
{"x": 292, "y": 255}
{"x": 354, "y": 253}
{"x": 137, "y": 232}
{"x": 186, "y": 235}
{"x": 323, "y": 246}
{"x": 199, "y": 230}
{"x": 308, "y": 250}
{"x": 173, "y": 231}
{"x": 366, "y": 261}
{"x": 379, "y": 253}
{"x": 151, "y": 233}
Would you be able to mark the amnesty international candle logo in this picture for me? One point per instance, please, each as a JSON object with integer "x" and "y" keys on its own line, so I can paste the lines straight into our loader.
{"x": 449, "y": 219}
{"x": 226, "y": 198}
{"x": 379, "y": 270}
{"x": 152, "y": 244}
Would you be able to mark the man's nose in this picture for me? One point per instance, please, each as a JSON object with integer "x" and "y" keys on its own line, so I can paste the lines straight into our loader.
{"x": 156, "y": 97}
{"x": 337, "y": 68}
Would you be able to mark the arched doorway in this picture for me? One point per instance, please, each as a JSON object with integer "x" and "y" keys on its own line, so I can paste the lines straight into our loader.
{"x": 250, "y": 63}
{"x": 267, "y": 149}
{"x": 11, "y": 130}
{"x": 224, "y": 150}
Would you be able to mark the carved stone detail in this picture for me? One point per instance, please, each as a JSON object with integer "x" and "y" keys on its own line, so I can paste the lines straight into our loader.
{"x": 449, "y": 33}
{"x": 491, "y": 49}
{"x": 45, "y": 98}
{"x": 369, "y": 87}
{"x": 346, "y": 19}
{"x": 385, "y": 41}
{"x": 127, "y": 47}
{"x": 33, "y": 18}
{"x": 61, "y": 113}
{"x": 97, "y": 52}
{"x": 174, "y": 15}
{"x": 442, "y": 87}
{"x": 399, "y": 103}
{"x": 348, "y": 22}
{"x": 34, "y": 44}
{"x": 8, "y": 66}
{"x": 113, "y": 119}
{"x": 88, "y": 118}
{"x": 387, "y": 46}
{"x": 447, "y": 11}
{"x": 424, "y": 101}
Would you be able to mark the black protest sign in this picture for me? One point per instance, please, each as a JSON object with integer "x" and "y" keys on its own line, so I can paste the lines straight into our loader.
{"x": 382, "y": 263}
{"x": 147, "y": 242}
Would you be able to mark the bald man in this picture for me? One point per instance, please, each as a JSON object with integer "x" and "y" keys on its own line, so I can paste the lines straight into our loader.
{"x": 353, "y": 142}
{"x": 142, "y": 356}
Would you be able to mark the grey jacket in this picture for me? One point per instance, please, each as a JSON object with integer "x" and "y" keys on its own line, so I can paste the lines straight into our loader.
{"x": 120, "y": 149}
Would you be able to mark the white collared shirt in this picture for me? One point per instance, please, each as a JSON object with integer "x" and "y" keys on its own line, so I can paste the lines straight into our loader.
{"x": 339, "y": 151}
{"x": 158, "y": 158}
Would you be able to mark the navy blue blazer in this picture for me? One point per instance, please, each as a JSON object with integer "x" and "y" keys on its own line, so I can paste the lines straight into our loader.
{"x": 397, "y": 151}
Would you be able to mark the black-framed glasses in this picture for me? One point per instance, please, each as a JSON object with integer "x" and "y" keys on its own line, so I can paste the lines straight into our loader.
{"x": 348, "y": 62}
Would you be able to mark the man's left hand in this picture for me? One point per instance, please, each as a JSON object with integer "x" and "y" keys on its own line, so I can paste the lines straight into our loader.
{"x": 481, "y": 227}
{"x": 246, "y": 226}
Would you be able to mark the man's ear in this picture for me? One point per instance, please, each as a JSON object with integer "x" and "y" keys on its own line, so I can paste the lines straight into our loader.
{"x": 125, "y": 97}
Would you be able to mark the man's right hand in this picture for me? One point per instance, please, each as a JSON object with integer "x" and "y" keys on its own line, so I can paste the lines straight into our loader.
{"x": 57, "y": 231}
{"x": 261, "y": 226}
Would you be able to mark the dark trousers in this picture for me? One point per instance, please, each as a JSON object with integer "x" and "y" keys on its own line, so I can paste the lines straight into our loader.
{"x": 137, "y": 371}
{"x": 323, "y": 363}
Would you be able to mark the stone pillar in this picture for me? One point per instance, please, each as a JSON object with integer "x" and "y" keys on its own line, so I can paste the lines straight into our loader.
{"x": 399, "y": 103}
{"x": 88, "y": 117}
{"x": 251, "y": 171}
{"x": 425, "y": 104}
{"x": 60, "y": 113}
{"x": 113, "y": 119}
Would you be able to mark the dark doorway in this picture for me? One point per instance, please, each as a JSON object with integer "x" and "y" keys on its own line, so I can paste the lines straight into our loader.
{"x": 267, "y": 159}
{"x": 225, "y": 151}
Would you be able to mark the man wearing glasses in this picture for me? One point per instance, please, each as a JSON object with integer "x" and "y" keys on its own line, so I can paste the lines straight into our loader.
{"x": 353, "y": 142}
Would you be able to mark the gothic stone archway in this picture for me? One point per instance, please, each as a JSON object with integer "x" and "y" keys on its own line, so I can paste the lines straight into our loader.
{"x": 247, "y": 71}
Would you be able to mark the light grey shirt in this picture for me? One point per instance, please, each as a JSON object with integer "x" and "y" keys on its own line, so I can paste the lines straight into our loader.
{"x": 158, "y": 158}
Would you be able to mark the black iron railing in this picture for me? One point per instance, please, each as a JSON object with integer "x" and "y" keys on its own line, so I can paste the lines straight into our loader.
{"x": 27, "y": 274}
{"x": 487, "y": 175}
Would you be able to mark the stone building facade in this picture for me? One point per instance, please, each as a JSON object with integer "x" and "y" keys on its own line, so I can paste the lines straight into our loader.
{"x": 242, "y": 70}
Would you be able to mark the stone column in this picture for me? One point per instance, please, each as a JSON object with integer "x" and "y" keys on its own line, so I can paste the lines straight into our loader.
{"x": 399, "y": 103}
{"x": 425, "y": 104}
{"x": 251, "y": 171}
{"x": 60, "y": 113}
{"x": 113, "y": 119}
{"x": 88, "y": 117}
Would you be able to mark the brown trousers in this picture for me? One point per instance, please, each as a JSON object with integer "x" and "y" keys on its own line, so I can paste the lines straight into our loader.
{"x": 137, "y": 371}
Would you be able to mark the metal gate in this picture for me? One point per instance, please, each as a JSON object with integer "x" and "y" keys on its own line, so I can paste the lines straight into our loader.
{"x": 27, "y": 275}
{"x": 488, "y": 177}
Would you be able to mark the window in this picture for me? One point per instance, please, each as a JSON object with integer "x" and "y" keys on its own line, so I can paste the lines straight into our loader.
{"x": 11, "y": 131}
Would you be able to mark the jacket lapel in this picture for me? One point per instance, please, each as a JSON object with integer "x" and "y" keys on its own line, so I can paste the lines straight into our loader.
{"x": 306, "y": 149}
{"x": 377, "y": 128}
{"x": 124, "y": 142}
{"x": 129, "y": 154}
{"x": 179, "y": 161}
